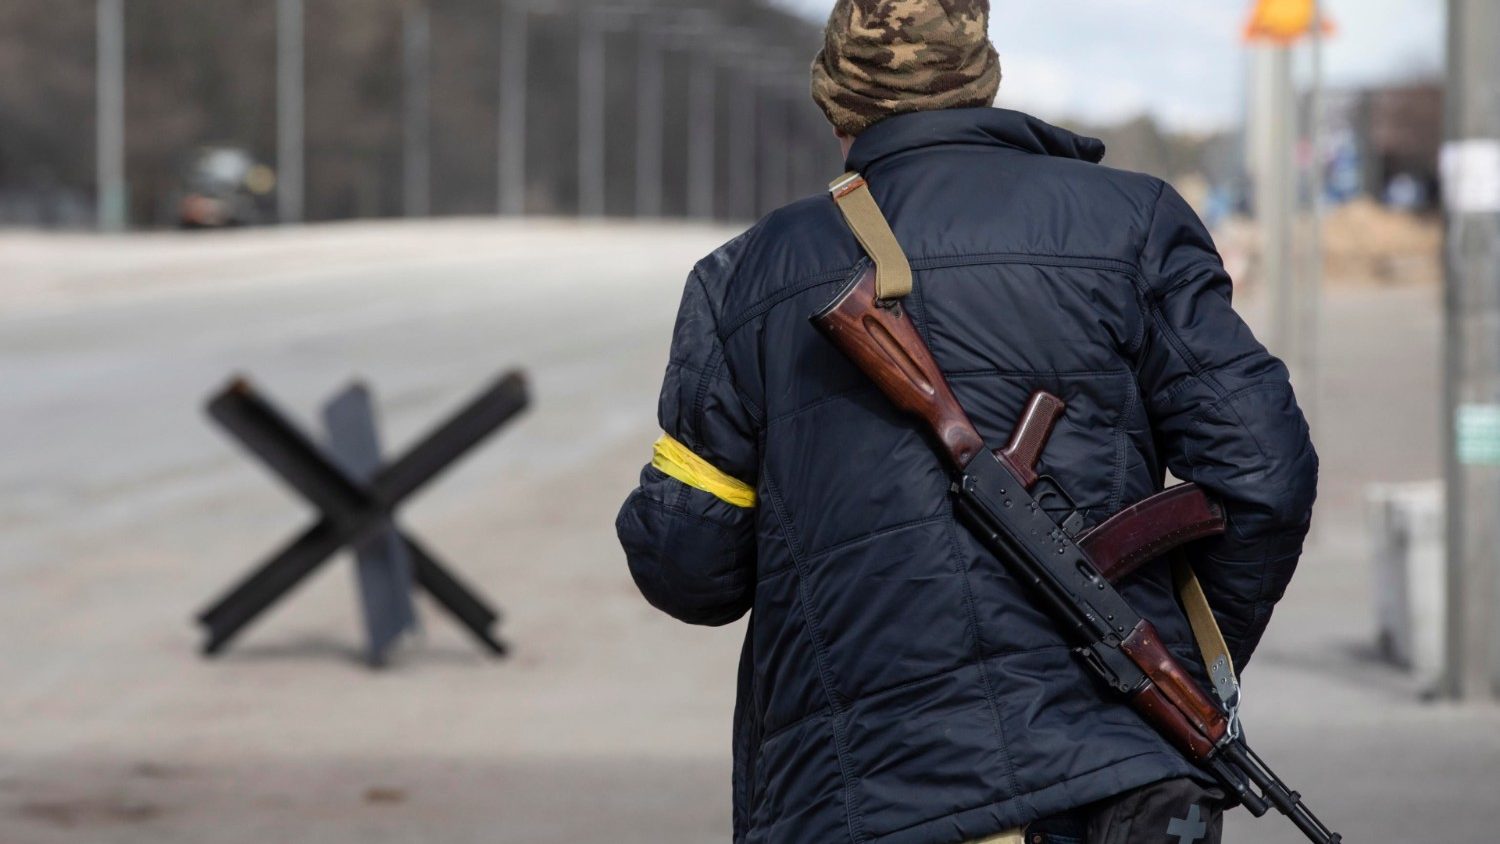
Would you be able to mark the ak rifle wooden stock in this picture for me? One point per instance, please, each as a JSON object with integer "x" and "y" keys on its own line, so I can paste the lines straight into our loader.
{"x": 1136, "y": 535}
{"x": 994, "y": 500}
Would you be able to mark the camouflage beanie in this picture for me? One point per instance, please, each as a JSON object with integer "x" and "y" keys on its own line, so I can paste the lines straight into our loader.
{"x": 885, "y": 57}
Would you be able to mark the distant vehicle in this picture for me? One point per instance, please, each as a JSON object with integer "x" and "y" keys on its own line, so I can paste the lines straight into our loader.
{"x": 225, "y": 186}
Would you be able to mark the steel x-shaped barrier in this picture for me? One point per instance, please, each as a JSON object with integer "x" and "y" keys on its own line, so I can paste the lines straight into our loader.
{"x": 357, "y": 498}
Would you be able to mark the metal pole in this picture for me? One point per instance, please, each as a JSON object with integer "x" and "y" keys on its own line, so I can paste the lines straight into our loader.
{"x": 1278, "y": 209}
{"x": 289, "y": 110}
{"x": 650, "y": 105}
{"x": 688, "y": 30}
{"x": 512, "y": 130}
{"x": 789, "y": 135}
{"x": 1275, "y": 199}
{"x": 1310, "y": 279}
{"x": 743, "y": 148}
{"x": 805, "y": 160}
{"x": 417, "y": 86}
{"x": 1471, "y": 165}
{"x": 110, "y": 119}
{"x": 774, "y": 175}
{"x": 591, "y": 116}
{"x": 701, "y": 137}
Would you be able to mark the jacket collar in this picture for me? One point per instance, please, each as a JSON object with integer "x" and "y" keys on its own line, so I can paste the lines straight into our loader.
{"x": 983, "y": 126}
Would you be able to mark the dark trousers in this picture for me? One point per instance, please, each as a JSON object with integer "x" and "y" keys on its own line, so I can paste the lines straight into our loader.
{"x": 1171, "y": 812}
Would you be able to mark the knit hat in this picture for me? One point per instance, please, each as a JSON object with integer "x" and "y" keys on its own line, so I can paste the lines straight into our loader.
{"x": 885, "y": 57}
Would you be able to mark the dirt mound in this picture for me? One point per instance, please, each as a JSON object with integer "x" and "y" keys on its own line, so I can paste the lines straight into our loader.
{"x": 1365, "y": 242}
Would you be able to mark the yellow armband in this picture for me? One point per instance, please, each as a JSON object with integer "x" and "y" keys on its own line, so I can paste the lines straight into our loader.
{"x": 678, "y": 461}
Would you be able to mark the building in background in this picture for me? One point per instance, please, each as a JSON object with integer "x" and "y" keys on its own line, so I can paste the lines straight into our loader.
{"x": 1383, "y": 143}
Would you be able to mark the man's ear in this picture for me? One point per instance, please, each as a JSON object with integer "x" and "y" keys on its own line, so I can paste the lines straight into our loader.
{"x": 846, "y": 141}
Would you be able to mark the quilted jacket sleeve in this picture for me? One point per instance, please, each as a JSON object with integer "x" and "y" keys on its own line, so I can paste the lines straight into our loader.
{"x": 691, "y": 552}
{"x": 1225, "y": 417}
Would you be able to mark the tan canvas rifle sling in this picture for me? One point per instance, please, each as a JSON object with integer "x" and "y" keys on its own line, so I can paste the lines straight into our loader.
{"x": 893, "y": 280}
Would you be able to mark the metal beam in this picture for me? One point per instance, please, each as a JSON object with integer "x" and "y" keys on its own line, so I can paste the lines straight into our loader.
{"x": 382, "y": 562}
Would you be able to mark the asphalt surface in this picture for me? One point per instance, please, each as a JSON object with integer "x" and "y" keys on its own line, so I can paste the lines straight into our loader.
{"x": 123, "y": 512}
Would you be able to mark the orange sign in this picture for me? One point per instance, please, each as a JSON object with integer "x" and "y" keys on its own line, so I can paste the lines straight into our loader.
{"x": 1285, "y": 21}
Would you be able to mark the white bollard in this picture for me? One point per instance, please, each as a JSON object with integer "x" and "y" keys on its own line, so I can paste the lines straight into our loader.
{"x": 1405, "y": 523}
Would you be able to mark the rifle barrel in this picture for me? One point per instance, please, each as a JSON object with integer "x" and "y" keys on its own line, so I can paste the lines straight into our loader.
{"x": 1276, "y": 792}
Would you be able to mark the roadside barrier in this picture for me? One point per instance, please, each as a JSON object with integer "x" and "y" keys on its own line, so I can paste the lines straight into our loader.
{"x": 357, "y": 497}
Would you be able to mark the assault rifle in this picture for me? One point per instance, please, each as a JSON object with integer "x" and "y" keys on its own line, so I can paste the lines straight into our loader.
{"x": 996, "y": 500}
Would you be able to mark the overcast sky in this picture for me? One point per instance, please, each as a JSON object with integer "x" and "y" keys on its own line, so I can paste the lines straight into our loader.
{"x": 1181, "y": 60}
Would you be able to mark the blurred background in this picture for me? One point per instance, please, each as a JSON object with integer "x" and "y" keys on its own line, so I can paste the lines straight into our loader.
{"x": 421, "y": 194}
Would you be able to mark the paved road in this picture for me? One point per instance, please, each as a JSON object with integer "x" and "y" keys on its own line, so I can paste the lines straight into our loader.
{"x": 122, "y": 512}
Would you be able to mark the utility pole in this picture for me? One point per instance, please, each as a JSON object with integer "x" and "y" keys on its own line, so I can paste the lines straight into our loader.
{"x": 1275, "y": 194}
{"x": 1308, "y": 328}
{"x": 514, "y": 42}
{"x": 109, "y": 128}
{"x": 1277, "y": 26}
{"x": 289, "y": 110}
{"x": 1471, "y": 182}
{"x": 417, "y": 87}
{"x": 591, "y": 116}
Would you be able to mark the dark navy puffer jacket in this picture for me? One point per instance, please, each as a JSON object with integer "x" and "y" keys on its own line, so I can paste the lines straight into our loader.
{"x": 897, "y": 685}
